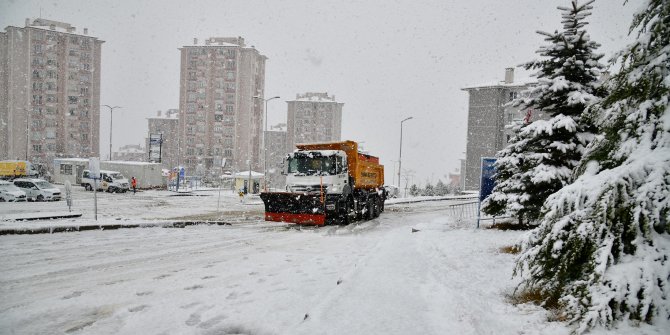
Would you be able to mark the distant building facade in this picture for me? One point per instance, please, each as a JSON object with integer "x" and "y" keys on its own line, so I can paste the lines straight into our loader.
{"x": 167, "y": 125}
{"x": 49, "y": 92}
{"x": 313, "y": 117}
{"x": 130, "y": 153}
{"x": 276, "y": 152}
{"x": 220, "y": 104}
{"x": 490, "y": 117}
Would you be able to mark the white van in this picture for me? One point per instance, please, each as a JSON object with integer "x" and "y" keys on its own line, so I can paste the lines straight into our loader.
{"x": 110, "y": 181}
{"x": 38, "y": 189}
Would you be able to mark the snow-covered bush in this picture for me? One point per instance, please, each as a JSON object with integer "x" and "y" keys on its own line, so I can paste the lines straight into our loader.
{"x": 601, "y": 251}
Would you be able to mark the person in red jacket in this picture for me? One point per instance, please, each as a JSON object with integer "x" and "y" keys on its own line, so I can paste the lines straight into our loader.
{"x": 133, "y": 183}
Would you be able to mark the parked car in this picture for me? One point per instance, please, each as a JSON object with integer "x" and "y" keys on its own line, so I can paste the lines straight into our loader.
{"x": 110, "y": 181}
{"x": 9, "y": 192}
{"x": 392, "y": 191}
{"x": 38, "y": 189}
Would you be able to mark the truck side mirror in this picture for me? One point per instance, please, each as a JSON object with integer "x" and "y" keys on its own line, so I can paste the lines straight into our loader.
{"x": 284, "y": 171}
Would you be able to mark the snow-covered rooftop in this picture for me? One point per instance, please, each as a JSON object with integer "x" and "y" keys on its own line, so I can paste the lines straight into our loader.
{"x": 315, "y": 97}
{"x": 518, "y": 83}
{"x": 243, "y": 174}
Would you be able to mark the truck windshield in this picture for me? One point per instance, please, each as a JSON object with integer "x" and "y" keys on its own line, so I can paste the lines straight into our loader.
{"x": 312, "y": 165}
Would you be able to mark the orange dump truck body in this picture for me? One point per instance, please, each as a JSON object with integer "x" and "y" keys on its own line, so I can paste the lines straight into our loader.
{"x": 364, "y": 169}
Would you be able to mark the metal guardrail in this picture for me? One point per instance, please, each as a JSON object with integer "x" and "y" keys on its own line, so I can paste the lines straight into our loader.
{"x": 465, "y": 210}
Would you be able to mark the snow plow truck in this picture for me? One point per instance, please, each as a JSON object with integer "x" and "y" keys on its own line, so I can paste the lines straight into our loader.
{"x": 328, "y": 183}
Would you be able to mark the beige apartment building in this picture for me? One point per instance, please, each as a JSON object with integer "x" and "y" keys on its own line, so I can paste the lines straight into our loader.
{"x": 49, "y": 92}
{"x": 222, "y": 88}
{"x": 313, "y": 117}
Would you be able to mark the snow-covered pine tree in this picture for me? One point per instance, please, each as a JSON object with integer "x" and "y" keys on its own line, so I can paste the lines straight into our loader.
{"x": 545, "y": 152}
{"x": 505, "y": 196}
{"x": 602, "y": 251}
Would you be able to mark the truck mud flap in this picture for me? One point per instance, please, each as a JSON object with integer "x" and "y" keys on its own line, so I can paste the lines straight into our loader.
{"x": 304, "y": 209}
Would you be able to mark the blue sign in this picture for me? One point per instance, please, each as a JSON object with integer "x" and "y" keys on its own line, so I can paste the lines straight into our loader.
{"x": 487, "y": 181}
{"x": 182, "y": 172}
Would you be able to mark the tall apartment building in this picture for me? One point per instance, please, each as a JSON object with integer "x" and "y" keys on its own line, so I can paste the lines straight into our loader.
{"x": 49, "y": 92}
{"x": 166, "y": 124}
{"x": 220, "y": 105}
{"x": 276, "y": 151}
{"x": 313, "y": 117}
{"x": 490, "y": 117}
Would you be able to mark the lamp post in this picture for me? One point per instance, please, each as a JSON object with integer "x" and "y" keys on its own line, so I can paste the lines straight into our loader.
{"x": 400, "y": 157}
{"x": 28, "y": 111}
{"x": 265, "y": 146}
{"x": 111, "y": 110}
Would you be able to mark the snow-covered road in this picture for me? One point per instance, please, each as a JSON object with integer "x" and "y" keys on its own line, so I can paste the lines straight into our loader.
{"x": 375, "y": 277}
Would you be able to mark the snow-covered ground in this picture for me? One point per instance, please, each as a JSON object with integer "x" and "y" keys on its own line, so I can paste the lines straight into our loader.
{"x": 253, "y": 277}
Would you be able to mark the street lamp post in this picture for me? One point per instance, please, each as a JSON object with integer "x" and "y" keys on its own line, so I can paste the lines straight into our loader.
{"x": 111, "y": 110}
{"x": 400, "y": 157}
{"x": 265, "y": 145}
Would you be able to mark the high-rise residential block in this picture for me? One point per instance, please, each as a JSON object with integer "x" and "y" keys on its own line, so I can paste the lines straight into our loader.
{"x": 275, "y": 140}
{"x": 221, "y": 106}
{"x": 490, "y": 119}
{"x": 313, "y": 117}
{"x": 49, "y": 92}
{"x": 167, "y": 126}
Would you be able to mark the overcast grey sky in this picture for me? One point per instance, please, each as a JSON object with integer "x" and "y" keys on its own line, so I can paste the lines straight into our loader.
{"x": 385, "y": 60}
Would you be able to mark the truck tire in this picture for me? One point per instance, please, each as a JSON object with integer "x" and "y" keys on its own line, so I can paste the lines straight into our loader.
{"x": 371, "y": 208}
{"x": 346, "y": 210}
{"x": 379, "y": 206}
{"x": 40, "y": 198}
{"x": 88, "y": 187}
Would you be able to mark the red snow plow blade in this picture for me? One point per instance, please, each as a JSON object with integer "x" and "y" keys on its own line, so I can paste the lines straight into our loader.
{"x": 307, "y": 209}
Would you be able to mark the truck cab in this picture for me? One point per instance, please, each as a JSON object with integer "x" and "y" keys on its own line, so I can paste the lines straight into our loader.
{"x": 316, "y": 171}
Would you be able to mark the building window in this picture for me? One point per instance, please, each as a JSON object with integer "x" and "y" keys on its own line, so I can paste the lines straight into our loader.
{"x": 37, "y": 147}
{"x": 218, "y": 117}
{"x": 72, "y": 99}
{"x": 84, "y": 137}
{"x": 230, "y": 109}
{"x": 66, "y": 169}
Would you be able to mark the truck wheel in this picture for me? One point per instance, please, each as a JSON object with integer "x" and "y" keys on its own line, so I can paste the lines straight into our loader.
{"x": 345, "y": 212}
{"x": 40, "y": 198}
{"x": 88, "y": 187}
{"x": 371, "y": 209}
{"x": 379, "y": 207}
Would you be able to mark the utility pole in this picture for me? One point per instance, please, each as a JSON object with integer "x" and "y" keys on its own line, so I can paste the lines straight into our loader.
{"x": 400, "y": 157}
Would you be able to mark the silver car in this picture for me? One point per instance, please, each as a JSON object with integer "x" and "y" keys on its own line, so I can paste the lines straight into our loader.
{"x": 9, "y": 192}
{"x": 38, "y": 189}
